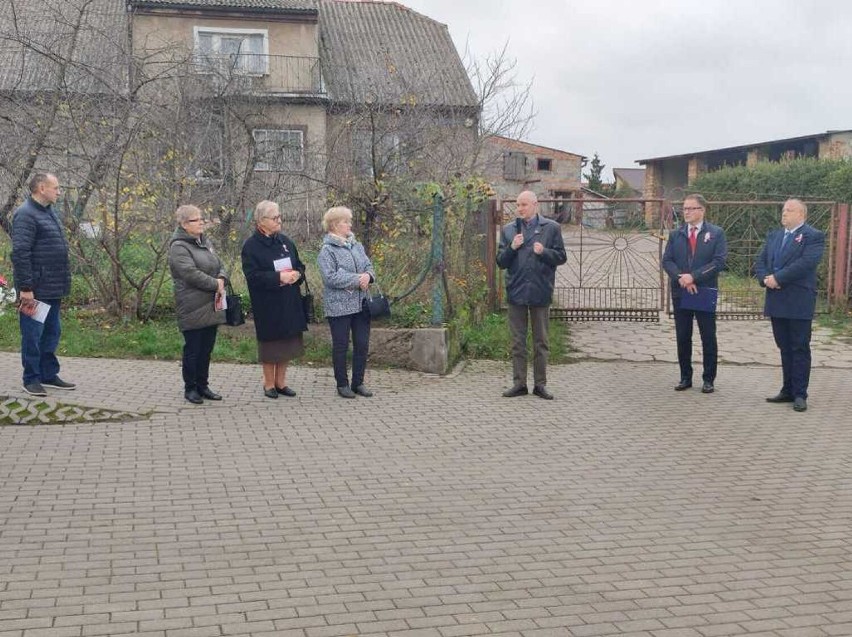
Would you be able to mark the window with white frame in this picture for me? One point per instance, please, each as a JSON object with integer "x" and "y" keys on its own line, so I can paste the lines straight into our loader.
{"x": 279, "y": 150}
{"x": 235, "y": 50}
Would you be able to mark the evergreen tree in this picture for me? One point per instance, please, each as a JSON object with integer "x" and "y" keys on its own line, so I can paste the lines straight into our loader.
{"x": 593, "y": 177}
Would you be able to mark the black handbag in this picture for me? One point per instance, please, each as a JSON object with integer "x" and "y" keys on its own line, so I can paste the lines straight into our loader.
{"x": 234, "y": 314}
{"x": 377, "y": 305}
{"x": 308, "y": 304}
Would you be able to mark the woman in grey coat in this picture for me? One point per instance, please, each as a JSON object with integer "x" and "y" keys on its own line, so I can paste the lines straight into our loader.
{"x": 346, "y": 274}
{"x": 199, "y": 281}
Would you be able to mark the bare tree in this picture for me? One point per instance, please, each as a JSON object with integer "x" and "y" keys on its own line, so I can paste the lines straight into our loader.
{"x": 132, "y": 133}
{"x": 380, "y": 147}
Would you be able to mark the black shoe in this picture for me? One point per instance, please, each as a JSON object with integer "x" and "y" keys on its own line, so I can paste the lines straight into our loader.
{"x": 683, "y": 384}
{"x": 34, "y": 389}
{"x": 193, "y": 396}
{"x": 209, "y": 394}
{"x": 361, "y": 390}
{"x": 517, "y": 390}
{"x": 270, "y": 393}
{"x": 800, "y": 404}
{"x": 345, "y": 392}
{"x": 541, "y": 392}
{"x": 780, "y": 398}
{"x": 58, "y": 383}
{"x": 707, "y": 387}
{"x": 285, "y": 391}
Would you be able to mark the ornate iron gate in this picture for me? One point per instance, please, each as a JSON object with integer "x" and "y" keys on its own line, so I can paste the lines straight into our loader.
{"x": 613, "y": 271}
{"x": 746, "y": 224}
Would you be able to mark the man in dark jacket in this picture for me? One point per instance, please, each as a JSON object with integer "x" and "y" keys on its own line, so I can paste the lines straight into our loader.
{"x": 42, "y": 272}
{"x": 695, "y": 255}
{"x": 787, "y": 268}
{"x": 531, "y": 248}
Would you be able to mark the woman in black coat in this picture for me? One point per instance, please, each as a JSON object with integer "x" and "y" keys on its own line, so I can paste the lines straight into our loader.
{"x": 274, "y": 273}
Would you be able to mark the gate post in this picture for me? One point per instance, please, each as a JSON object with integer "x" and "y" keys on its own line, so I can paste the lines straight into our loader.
{"x": 839, "y": 294}
{"x": 491, "y": 225}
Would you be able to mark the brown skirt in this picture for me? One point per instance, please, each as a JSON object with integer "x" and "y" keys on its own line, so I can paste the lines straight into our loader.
{"x": 280, "y": 351}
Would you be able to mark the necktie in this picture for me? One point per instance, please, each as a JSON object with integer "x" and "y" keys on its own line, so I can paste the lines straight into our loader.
{"x": 693, "y": 238}
{"x": 787, "y": 234}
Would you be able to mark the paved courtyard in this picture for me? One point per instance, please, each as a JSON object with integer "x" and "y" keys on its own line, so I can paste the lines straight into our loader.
{"x": 436, "y": 508}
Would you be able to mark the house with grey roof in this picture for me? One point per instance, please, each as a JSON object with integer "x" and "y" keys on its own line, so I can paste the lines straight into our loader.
{"x": 295, "y": 94}
{"x": 400, "y": 99}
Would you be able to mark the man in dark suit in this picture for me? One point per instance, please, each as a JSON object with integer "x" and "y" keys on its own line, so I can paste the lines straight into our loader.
{"x": 787, "y": 268}
{"x": 695, "y": 254}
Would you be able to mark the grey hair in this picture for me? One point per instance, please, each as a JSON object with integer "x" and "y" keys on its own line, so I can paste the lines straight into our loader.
{"x": 335, "y": 215}
{"x": 264, "y": 210}
{"x": 186, "y": 212}
{"x": 37, "y": 180}
{"x": 528, "y": 194}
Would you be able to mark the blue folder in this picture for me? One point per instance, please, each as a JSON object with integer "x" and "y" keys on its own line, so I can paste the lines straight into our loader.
{"x": 703, "y": 301}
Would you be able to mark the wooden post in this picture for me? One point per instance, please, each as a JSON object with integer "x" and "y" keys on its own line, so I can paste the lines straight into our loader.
{"x": 491, "y": 227}
{"x": 839, "y": 296}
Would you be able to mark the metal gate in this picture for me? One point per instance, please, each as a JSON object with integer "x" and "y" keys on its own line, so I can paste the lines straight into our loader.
{"x": 614, "y": 270}
{"x": 746, "y": 224}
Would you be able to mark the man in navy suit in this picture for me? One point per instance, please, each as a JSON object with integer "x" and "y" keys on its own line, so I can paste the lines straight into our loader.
{"x": 694, "y": 256}
{"x": 787, "y": 268}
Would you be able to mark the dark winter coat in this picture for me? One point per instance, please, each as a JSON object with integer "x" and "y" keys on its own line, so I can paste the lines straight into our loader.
{"x": 196, "y": 271}
{"x": 531, "y": 277}
{"x": 40, "y": 251}
{"x": 277, "y": 308}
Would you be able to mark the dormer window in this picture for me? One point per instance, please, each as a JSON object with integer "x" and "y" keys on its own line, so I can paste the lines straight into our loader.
{"x": 232, "y": 50}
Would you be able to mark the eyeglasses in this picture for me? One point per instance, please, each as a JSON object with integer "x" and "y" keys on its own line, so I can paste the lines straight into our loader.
{"x": 275, "y": 218}
{"x": 195, "y": 220}
{"x": 689, "y": 209}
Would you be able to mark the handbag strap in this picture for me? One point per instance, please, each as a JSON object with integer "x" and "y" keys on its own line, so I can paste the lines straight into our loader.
{"x": 229, "y": 289}
{"x": 378, "y": 289}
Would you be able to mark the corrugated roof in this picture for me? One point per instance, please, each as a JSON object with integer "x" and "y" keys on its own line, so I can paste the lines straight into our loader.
{"x": 299, "y": 6}
{"x": 744, "y": 146}
{"x": 385, "y": 52}
{"x": 527, "y": 147}
{"x": 34, "y": 33}
{"x": 635, "y": 177}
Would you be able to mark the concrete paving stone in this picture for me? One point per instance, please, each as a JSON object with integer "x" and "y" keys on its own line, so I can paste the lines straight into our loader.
{"x": 207, "y": 631}
{"x": 604, "y": 501}
{"x": 435, "y": 621}
{"x": 811, "y": 631}
{"x": 464, "y": 630}
{"x": 592, "y": 630}
{"x": 720, "y": 630}
{"x": 109, "y": 628}
{"x": 338, "y": 630}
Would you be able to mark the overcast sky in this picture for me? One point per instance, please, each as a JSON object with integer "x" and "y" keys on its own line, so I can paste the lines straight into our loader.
{"x": 633, "y": 79}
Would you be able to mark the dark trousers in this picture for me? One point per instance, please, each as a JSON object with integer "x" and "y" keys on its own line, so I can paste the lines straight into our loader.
{"x": 38, "y": 344}
{"x": 359, "y": 325}
{"x": 197, "y": 347}
{"x": 683, "y": 331}
{"x": 793, "y": 338}
{"x": 538, "y": 317}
